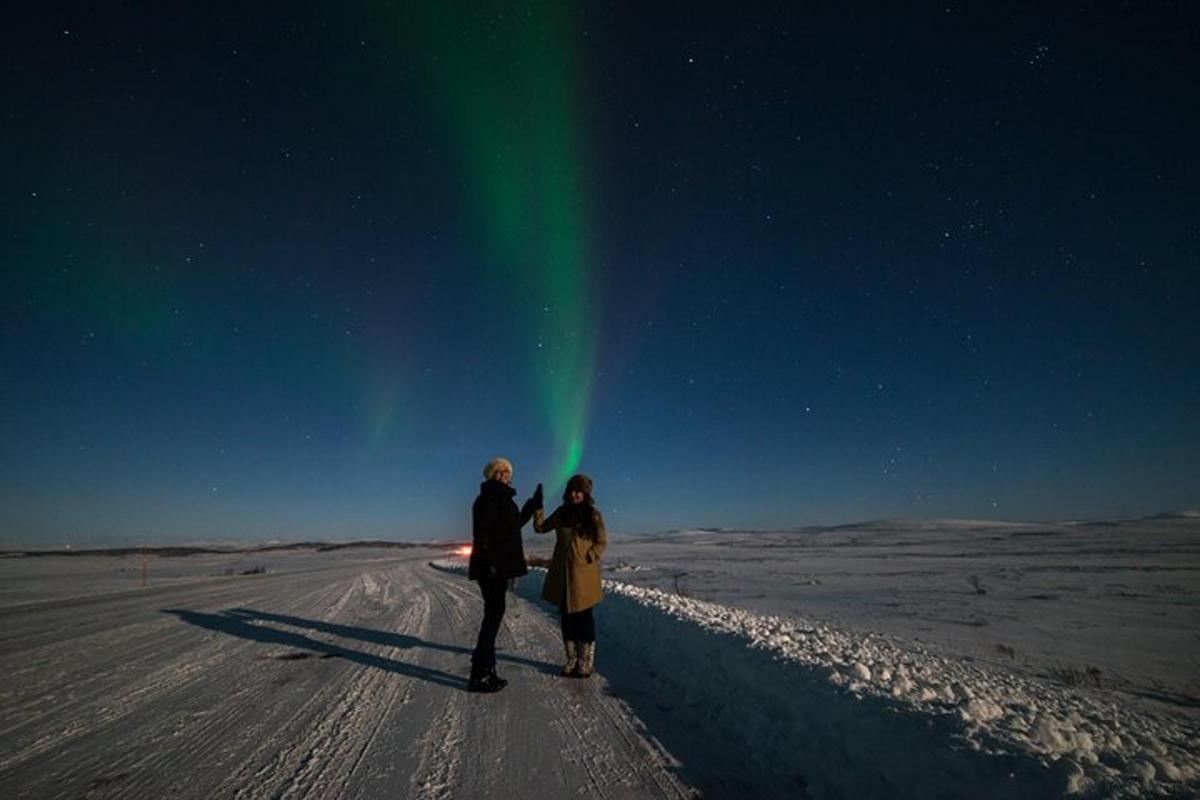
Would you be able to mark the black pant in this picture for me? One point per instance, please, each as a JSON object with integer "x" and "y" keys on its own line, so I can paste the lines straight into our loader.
{"x": 493, "y": 588}
{"x": 578, "y": 627}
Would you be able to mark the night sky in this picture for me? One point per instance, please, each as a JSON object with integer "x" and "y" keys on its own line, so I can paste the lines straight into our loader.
{"x": 299, "y": 270}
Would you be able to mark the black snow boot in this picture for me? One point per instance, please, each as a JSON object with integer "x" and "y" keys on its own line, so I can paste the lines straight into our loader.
{"x": 485, "y": 681}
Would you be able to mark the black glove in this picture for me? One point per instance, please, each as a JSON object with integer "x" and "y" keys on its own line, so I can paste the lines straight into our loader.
{"x": 537, "y": 497}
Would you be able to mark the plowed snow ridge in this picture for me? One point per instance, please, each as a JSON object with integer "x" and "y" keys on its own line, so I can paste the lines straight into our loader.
{"x": 850, "y": 715}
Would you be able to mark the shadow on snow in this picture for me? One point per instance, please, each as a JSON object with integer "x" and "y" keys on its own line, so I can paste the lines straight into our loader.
{"x": 242, "y": 623}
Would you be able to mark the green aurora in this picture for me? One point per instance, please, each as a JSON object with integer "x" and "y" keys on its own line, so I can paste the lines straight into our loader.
{"x": 507, "y": 82}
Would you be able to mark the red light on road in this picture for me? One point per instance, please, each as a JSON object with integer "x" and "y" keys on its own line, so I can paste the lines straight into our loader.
{"x": 464, "y": 551}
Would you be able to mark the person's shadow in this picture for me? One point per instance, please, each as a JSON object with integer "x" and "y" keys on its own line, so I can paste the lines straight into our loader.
{"x": 240, "y": 622}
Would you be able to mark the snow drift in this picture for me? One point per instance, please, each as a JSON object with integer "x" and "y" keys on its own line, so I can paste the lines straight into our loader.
{"x": 765, "y": 706}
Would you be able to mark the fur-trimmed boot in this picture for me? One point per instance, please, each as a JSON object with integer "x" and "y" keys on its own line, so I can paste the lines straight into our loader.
{"x": 587, "y": 659}
{"x": 572, "y": 662}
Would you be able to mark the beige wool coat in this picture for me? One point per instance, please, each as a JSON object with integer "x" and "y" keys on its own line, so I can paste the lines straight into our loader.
{"x": 573, "y": 580}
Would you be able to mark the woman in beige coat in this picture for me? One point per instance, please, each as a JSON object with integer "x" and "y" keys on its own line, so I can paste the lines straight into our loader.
{"x": 573, "y": 581}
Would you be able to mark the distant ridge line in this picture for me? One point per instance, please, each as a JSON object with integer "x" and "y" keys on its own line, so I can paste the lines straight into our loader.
{"x": 181, "y": 551}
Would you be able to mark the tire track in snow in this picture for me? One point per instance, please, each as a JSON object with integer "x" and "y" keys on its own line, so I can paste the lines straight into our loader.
{"x": 344, "y": 744}
{"x": 438, "y": 770}
{"x": 440, "y": 747}
{"x": 229, "y": 733}
{"x": 40, "y": 669}
{"x": 126, "y": 695}
{"x": 420, "y": 611}
{"x": 321, "y": 762}
{"x": 548, "y": 731}
{"x": 605, "y": 738}
{"x": 89, "y": 714}
{"x": 239, "y": 706}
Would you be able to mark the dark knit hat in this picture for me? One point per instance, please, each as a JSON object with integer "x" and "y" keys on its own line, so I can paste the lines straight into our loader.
{"x": 581, "y": 516}
{"x": 581, "y": 483}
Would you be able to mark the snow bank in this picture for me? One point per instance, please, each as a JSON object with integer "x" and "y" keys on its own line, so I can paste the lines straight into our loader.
{"x": 792, "y": 706}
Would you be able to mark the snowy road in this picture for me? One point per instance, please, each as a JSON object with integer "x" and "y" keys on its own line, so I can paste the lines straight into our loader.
{"x": 345, "y": 681}
{"x": 341, "y": 673}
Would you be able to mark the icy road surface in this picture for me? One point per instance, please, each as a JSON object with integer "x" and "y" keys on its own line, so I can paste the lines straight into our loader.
{"x": 330, "y": 681}
{"x": 342, "y": 674}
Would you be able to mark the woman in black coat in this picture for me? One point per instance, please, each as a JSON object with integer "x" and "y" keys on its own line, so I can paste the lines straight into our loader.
{"x": 496, "y": 558}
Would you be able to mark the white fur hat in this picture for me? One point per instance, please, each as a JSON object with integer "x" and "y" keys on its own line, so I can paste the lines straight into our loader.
{"x": 494, "y": 465}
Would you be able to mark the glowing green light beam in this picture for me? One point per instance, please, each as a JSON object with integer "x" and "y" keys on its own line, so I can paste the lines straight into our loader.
{"x": 508, "y": 82}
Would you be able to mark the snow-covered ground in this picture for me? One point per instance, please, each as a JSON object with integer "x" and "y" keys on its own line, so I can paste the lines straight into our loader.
{"x": 1074, "y": 644}
{"x": 895, "y": 660}
{"x": 342, "y": 680}
{"x": 1110, "y": 607}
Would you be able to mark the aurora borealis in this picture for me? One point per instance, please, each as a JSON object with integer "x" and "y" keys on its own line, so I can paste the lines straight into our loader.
{"x": 292, "y": 275}
{"x": 507, "y": 82}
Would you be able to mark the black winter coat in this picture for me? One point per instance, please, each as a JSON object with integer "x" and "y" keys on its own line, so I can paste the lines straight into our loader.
{"x": 496, "y": 532}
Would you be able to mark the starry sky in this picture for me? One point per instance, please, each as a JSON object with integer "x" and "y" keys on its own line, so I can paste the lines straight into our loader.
{"x": 299, "y": 270}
